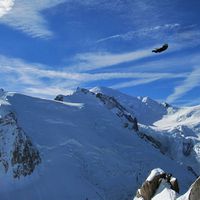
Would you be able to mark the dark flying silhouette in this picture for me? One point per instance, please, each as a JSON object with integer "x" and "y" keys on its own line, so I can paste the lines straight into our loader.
{"x": 161, "y": 49}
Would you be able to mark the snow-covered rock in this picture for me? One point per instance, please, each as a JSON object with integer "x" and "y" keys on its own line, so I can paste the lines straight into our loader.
{"x": 193, "y": 192}
{"x": 157, "y": 185}
{"x": 146, "y": 110}
{"x": 18, "y": 156}
{"x": 162, "y": 186}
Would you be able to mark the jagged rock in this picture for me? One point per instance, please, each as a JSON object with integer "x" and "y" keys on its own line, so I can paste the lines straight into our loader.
{"x": 189, "y": 168}
{"x": 154, "y": 142}
{"x": 17, "y": 153}
{"x": 174, "y": 184}
{"x": 25, "y": 157}
{"x": 161, "y": 185}
{"x": 121, "y": 112}
{"x": 194, "y": 191}
{"x": 187, "y": 146}
{"x": 129, "y": 121}
{"x": 85, "y": 91}
{"x": 59, "y": 97}
{"x": 166, "y": 105}
{"x": 152, "y": 183}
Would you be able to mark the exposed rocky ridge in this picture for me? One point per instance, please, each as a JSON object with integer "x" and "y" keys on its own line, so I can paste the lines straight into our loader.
{"x": 17, "y": 153}
{"x": 112, "y": 104}
{"x": 179, "y": 142}
{"x": 163, "y": 142}
{"x": 177, "y": 146}
{"x": 145, "y": 109}
{"x": 128, "y": 120}
{"x": 184, "y": 146}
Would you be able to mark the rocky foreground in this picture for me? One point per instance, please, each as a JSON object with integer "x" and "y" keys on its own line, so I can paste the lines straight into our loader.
{"x": 163, "y": 186}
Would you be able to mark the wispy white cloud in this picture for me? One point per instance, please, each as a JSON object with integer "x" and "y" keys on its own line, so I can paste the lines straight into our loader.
{"x": 151, "y": 77}
{"x": 178, "y": 36}
{"x": 29, "y": 72}
{"x": 26, "y": 16}
{"x": 36, "y": 78}
{"x": 96, "y": 60}
{"x": 192, "y": 81}
{"x": 163, "y": 64}
{"x": 47, "y": 92}
{"x": 141, "y": 32}
{"x": 6, "y": 6}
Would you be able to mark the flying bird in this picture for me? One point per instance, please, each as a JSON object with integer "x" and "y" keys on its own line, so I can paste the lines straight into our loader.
{"x": 159, "y": 50}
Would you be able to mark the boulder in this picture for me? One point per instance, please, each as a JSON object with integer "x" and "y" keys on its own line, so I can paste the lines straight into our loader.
{"x": 152, "y": 183}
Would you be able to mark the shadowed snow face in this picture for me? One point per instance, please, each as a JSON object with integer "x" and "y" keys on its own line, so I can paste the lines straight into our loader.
{"x": 5, "y": 6}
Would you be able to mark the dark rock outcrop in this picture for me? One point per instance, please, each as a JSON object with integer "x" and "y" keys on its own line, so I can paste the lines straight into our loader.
{"x": 152, "y": 183}
{"x": 17, "y": 153}
{"x": 194, "y": 191}
{"x": 187, "y": 147}
{"x": 111, "y": 103}
{"x": 149, "y": 188}
{"x": 59, "y": 97}
{"x": 128, "y": 120}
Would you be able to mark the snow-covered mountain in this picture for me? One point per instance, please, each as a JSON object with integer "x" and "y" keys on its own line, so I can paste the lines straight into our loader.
{"x": 176, "y": 130}
{"x": 94, "y": 145}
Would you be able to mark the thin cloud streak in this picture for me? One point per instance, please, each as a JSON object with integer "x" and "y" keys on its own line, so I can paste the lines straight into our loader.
{"x": 142, "y": 32}
{"x": 99, "y": 60}
{"x": 92, "y": 61}
{"x": 37, "y": 73}
{"x": 31, "y": 76}
{"x": 180, "y": 37}
{"x": 149, "y": 79}
{"x": 192, "y": 81}
{"x": 134, "y": 83}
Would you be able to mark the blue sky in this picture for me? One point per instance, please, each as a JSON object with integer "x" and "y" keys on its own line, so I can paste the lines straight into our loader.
{"x": 50, "y": 47}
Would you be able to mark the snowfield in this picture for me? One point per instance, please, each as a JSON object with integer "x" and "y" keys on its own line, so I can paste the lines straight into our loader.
{"x": 89, "y": 149}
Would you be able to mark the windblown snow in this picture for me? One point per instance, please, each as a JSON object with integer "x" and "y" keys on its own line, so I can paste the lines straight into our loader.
{"x": 89, "y": 149}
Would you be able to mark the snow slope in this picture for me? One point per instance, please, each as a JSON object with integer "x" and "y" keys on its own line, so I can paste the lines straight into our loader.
{"x": 176, "y": 129}
{"x": 146, "y": 110}
{"x": 86, "y": 150}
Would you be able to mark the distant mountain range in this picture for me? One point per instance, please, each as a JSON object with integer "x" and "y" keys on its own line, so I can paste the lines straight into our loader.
{"x": 92, "y": 145}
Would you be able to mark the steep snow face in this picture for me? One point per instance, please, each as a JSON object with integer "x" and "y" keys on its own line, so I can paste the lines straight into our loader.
{"x": 186, "y": 119}
{"x": 164, "y": 192}
{"x": 176, "y": 130}
{"x": 179, "y": 134}
{"x": 86, "y": 152}
{"x": 146, "y": 110}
